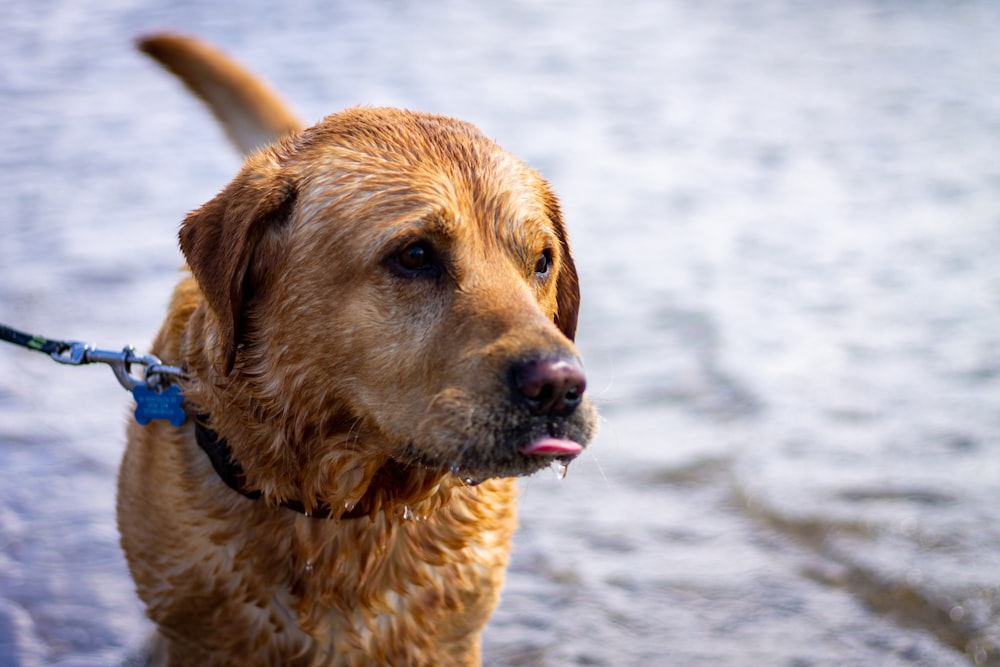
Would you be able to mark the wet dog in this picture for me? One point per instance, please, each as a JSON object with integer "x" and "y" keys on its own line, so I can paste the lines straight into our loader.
{"x": 377, "y": 338}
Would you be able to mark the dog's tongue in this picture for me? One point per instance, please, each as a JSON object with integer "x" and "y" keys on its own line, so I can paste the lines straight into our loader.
{"x": 553, "y": 447}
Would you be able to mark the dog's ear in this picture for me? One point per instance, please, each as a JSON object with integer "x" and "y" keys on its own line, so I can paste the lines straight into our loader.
{"x": 231, "y": 242}
{"x": 568, "y": 283}
{"x": 567, "y": 294}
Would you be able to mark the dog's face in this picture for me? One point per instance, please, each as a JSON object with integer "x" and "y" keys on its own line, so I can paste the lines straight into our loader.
{"x": 395, "y": 285}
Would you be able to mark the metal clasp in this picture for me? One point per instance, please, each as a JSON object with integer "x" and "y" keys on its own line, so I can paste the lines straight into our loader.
{"x": 155, "y": 376}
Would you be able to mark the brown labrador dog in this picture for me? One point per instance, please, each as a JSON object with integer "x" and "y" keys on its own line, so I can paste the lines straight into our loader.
{"x": 377, "y": 337}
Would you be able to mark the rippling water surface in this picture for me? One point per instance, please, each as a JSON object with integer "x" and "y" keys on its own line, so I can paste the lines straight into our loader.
{"x": 787, "y": 219}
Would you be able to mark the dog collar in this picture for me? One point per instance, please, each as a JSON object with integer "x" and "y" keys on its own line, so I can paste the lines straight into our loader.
{"x": 231, "y": 472}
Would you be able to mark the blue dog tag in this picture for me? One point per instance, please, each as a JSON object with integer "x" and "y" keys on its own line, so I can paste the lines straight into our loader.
{"x": 166, "y": 404}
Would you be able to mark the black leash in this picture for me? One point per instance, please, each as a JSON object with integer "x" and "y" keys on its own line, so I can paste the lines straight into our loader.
{"x": 33, "y": 342}
{"x": 156, "y": 392}
{"x": 158, "y": 396}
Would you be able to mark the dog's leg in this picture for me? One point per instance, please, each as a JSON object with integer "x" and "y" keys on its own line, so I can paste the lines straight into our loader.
{"x": 250, "y": 111}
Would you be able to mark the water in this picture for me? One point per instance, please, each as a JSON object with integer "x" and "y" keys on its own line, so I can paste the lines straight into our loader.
{"x": 787, "y": 220}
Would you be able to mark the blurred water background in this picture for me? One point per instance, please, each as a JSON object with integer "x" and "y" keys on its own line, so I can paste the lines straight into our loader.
{"x": 787, "y": 219}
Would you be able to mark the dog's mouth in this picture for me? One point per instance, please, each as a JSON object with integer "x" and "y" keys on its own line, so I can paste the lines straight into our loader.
{"x": 551, "y": 452}
{"x": 477, "y": 440}
{"x": 557, "y": 447}
{"x": 475, "y": 465}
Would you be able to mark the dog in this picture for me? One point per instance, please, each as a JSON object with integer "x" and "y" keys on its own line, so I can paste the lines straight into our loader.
{"x": 376, "y": 334}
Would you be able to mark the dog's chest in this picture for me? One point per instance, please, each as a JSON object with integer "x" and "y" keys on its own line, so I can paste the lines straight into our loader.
{"x": 399, "y": 591}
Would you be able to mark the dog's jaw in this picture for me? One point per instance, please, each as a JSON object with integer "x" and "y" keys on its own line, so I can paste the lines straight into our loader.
{"x": 487, "y": 452}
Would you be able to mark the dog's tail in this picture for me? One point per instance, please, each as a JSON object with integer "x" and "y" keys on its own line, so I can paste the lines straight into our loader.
{"x": 251, "y": 112}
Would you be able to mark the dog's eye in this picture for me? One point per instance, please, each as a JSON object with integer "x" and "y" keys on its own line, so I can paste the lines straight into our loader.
{"x": 417, "y": 258}
{"x": 544, "y": 264}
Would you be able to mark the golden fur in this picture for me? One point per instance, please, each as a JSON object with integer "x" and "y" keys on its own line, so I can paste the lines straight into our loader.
{"x": 359, "y": 296}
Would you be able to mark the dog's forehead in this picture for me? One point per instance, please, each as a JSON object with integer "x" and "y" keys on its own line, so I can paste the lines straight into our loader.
{"x": 386, "y": 147}
{"x": 418, "y": 169}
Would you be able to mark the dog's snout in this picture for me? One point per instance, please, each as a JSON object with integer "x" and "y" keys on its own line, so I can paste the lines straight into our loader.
{"x": 549, "y": 386}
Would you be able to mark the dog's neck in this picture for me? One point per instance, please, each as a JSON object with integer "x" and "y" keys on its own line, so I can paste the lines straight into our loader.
{"x": 231, "y": 472}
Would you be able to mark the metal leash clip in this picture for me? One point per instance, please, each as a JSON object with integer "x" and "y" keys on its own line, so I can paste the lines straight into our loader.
{"x": 156, "y": 393}
{"x": 155, "y": 377}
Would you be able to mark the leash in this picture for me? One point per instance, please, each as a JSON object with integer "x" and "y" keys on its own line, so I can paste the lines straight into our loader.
{"x": 156, "y": 392}
{"x": 158, "y": 396}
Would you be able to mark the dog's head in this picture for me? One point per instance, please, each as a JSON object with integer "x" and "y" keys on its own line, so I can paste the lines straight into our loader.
{"x": 396, "y": 289}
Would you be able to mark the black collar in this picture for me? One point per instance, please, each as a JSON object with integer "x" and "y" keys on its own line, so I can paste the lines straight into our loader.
{"x": 231, "y": 472}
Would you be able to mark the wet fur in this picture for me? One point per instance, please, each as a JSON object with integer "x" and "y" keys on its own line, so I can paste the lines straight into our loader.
{"x": 336, "y": 379}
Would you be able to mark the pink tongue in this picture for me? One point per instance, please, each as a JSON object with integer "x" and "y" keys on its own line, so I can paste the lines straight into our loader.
{"x": 553, "y": 447}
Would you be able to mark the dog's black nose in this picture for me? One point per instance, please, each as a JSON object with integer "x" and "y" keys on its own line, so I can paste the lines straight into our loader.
{"x": 549, "y": 385}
